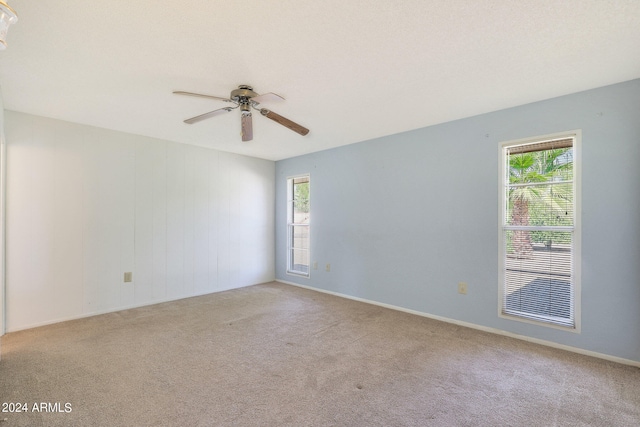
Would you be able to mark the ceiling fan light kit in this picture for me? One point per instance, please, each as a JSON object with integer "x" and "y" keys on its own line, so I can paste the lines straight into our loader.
{"x": 245, "y": 98}
{"x": 8, "y": 16}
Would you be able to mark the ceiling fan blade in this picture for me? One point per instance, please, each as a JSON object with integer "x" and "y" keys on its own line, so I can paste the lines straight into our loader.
{"x": 200, "y": 95}
{"x": 213, "y": 113}
{"x": 267, "y": 97}
{"x": 247, "y": 126}
{"x": 284, "y": 121}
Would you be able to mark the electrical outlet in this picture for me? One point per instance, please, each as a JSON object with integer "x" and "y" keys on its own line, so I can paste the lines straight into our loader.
{"x": 128, "y": 276}
{"x": 462, "y": 288}
{"x": 315, "y": 265}
{"x": 328, "y": 267}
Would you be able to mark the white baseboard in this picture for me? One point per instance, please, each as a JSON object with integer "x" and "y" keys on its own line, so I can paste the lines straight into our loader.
{"x": 116, "y": 309}
{"x": 474, "y": 326}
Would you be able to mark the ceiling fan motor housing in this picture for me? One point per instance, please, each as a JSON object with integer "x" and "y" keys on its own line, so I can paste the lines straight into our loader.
{"x": 243, "y": 94}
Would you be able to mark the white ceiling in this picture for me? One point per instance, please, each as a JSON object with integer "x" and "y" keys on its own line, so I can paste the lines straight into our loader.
{"x": 349, "y": 70}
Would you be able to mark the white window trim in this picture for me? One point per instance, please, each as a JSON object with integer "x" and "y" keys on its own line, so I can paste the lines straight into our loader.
{"x": 289, "y": 215}
{"x": 577, "y": 250}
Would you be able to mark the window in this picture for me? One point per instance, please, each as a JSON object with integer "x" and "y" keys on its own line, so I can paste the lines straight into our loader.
{"x": 298, "y": 225}
{"x": 539, "y": 233}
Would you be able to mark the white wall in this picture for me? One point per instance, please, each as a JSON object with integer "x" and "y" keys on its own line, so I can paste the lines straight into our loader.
{"x": 85, "y": 205}
{"x": 3, "y": 156}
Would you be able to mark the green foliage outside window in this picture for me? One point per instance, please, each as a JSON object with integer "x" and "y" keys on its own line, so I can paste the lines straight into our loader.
{"x": 547, "y": 203}
{"x": 301, "y": 197}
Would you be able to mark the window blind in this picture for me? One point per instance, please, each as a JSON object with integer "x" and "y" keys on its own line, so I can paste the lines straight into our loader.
{"x": 298, "y": 214}
{"x": 538, "y": 232}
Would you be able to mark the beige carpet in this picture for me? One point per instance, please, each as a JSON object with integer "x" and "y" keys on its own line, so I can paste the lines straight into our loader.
{"x": 277, "y": 355}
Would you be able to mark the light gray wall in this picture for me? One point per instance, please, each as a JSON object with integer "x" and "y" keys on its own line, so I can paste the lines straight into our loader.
{"x": 404, "y": 218}
{"x": 85, "y": 205}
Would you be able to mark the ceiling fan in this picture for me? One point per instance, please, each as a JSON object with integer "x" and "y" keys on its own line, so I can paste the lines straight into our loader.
{"x": 245, "y": 98}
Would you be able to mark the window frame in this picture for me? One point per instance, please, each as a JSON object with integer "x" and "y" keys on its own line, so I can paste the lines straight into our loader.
{"x": 291, "y": 225}
{"x": 576, "y": 135}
